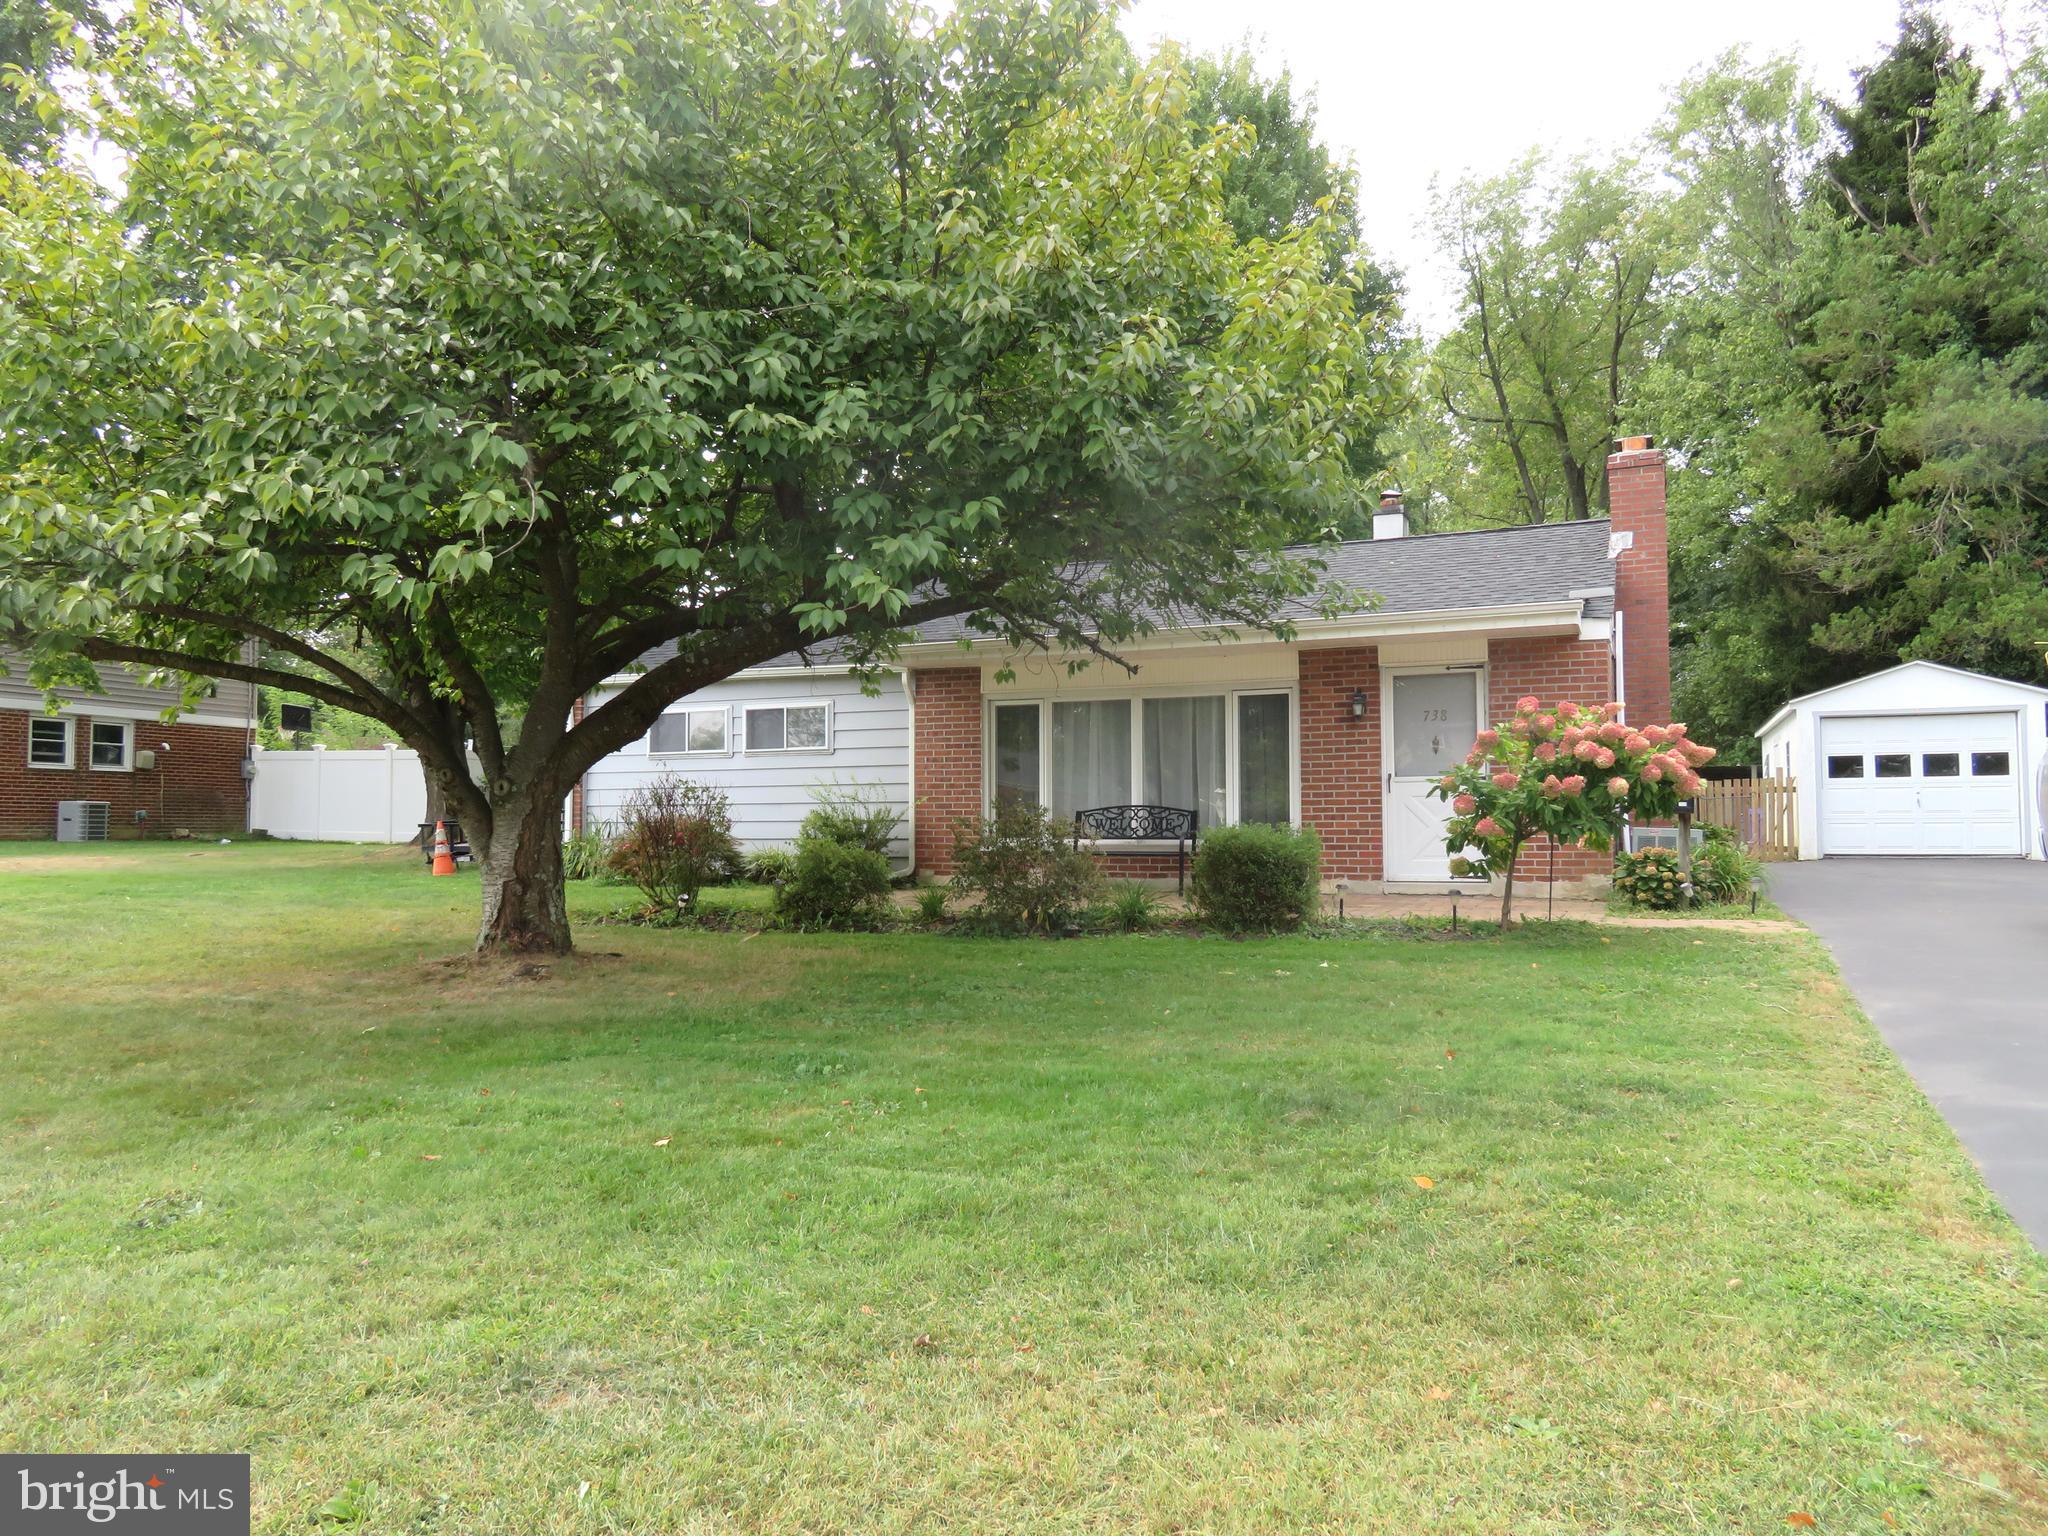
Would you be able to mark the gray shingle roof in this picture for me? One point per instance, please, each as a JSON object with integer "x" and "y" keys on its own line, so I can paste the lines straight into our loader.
{"x": 1490, "y": 568}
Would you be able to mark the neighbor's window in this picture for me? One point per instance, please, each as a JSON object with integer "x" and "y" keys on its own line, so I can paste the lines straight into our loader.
{"x": 1016, "y": 754}
{"x": 1895, "y": 765}
{"x": 1185, "y": 754}
{"x": 689, "y": 730}
{"x": 1091, "y": 756}
{"x": 110, "y": 743}
{"x": 789, "y": 728}
{"x": 1264, "y": 790}
{"x": 49, "y": 743}
{"x": 1940, "y": 765}
{"x": 1990, "y": 765}
{"x": 1845, "y": 767}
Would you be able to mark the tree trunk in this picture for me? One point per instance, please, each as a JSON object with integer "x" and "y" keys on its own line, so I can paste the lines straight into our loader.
{"x": 1507, "y": 895}
{"x": 525, "y": 911}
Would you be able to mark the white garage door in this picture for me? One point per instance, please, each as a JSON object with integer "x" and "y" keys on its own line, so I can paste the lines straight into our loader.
{"x": 1920, "y": 784}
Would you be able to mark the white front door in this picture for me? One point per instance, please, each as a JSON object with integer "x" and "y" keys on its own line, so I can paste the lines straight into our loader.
{"x": 1920, "y": 784}
{"x": 1431, "y": 720}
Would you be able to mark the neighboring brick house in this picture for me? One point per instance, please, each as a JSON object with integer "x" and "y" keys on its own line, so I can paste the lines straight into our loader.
{"x": 1343, "y": 728}
{"x": 114, "y": 747}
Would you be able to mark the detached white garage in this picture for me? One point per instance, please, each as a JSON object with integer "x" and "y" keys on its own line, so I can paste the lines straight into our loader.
{"x": 1917, "y": 759}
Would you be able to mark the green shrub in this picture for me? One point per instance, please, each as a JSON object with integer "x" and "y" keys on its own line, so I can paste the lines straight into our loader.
{"x": 768, "y": 866}
{"x": 852, "y": 818}
{"x": 1131, "y": 907}
{"x": 1721, "y": 871}
{"x": 1024, "y": 868}
{"x": 1257, "y": 877}
{"x": 674, "y": 839}
{"x": 931, "y": 904}
{"x": 833, "y": 885}
{"x": 1650, "y": 877}
{"x": 586, "y": 855}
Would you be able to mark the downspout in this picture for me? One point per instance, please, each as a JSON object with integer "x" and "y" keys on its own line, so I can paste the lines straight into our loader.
{"x": 910, "y": 751}
{"x": 1617, "y": 648}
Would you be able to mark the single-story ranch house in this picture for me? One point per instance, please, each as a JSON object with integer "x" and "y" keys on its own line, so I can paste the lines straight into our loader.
{"x": 1344, "y": 728}
{"x": 113, "y": 752}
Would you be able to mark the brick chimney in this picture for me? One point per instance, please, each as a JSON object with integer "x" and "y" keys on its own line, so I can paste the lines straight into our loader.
{"x": 1640, "y": 547}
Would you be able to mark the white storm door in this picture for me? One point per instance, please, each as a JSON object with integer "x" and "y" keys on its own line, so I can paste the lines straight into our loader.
{"x": 1431, "y": 720}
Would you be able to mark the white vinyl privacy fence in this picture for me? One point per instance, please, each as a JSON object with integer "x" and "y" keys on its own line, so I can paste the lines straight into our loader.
{"x": 339, "y": 797}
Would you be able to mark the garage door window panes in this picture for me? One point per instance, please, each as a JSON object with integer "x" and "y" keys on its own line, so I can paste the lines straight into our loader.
{"x": 1990, "y": 765}
{"x": 1940, "y": 765}
{"x": 1895, "y": 765}
{"x": 1845, "y": 767}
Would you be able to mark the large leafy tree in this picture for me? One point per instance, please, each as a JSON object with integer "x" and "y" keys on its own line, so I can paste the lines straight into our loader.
{"x": 509, "y": 341}
{"x": 1865, "y": 405}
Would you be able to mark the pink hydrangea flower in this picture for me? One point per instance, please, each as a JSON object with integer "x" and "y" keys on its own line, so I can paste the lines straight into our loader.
{"x": 1526, "y": 704}
{"x": 1654, "y": 772}
{"x": 1506, "y": 779}
{"x": 1611, "y": 711}
{"x": 1688, "y": 782}
{"x": 1602, "y": 758}
{"x": 1676, "y": 731}
{"x": 1613, "y": 731}
{"x": 1567, "y": 710}
{"x": 1476, "y": 756}
{"x": 1655, "y": 735}
{"x": 1586, "y": 751}
{"x": 1488, "y": 738}
{"x": 1574, "y": 784}
{"x": 1547, "y": 753}
{"x": 1546, "y": 723}
{"x": 1618, "y": 787}
{"x": 1552, "y": 786}
{"x": 1465, "y": 805}
{"x": 1448, "y": 781}
{"x": 1486, "y": 826}
{"x": 1635, "y": 742}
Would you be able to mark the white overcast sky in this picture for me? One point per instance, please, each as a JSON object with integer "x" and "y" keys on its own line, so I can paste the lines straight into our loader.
{"x": 1436, "y": 88}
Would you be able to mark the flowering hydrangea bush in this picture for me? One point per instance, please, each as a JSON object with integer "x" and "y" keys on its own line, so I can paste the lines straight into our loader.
{"x": 1565, "y": 771}
{"x": 1650, "y": 877}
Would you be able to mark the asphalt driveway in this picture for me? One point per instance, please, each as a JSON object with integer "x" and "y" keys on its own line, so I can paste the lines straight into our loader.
{"x": 1949, "y": 957}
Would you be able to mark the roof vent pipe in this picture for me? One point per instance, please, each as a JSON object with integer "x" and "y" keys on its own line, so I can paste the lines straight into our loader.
{"x": 1391, "y": 520}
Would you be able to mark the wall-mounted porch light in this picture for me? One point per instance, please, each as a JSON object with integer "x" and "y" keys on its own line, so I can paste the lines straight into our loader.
{"x": 1358, "y": 703}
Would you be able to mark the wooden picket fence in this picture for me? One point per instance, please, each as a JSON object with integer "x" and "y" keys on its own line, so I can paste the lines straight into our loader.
{"x": 1764, "y": 813}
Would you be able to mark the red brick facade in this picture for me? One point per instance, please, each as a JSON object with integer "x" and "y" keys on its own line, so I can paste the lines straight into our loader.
{"x": 945, "y": 759}
{"x": 1552, "y": 669}
{"x": 197, "y": 784}
{"x": 1642, "y": 589}
{"x": 1340, "y": 759}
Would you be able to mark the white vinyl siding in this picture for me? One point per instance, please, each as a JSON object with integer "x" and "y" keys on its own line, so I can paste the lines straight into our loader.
{"x": 770, "y": 792}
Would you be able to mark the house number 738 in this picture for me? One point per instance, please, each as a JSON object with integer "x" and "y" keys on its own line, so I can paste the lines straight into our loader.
{"x": 1429, "y": 715}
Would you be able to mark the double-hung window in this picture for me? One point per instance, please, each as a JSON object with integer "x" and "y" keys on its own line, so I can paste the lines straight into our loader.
{"x": 1229, "y": 757}
{"x": 110, "y": 742}
{"x": 789, "y": 728}
{"x": 689, "y": 730}
{"x": 49, "y": 742}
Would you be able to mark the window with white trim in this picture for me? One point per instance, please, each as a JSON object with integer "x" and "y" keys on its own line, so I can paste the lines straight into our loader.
{"x": 685, "y": 731}
{"x": 49, "y": 742}
{"x": 110, "y": 743}
{"x": 789, "y": 727}
{"x": 1229, "y": 756}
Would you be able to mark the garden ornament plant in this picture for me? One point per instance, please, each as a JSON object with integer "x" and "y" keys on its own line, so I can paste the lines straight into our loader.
{"x": 1568, "y": 772}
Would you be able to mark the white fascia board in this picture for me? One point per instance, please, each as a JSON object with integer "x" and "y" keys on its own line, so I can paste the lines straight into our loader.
{"x": 81, "y": 709}
{"x": 1515, "y": 617}
{"x": 823, "y": 669}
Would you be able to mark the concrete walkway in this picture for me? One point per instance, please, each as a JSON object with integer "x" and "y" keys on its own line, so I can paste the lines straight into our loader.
{"x": 1949, "y": 957}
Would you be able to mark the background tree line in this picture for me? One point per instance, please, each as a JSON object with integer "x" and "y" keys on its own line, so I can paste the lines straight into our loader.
{"x": 1835, "y": 312}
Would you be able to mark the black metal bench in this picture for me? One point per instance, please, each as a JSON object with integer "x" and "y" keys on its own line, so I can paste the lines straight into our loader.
{"x": 1140, "y": 823}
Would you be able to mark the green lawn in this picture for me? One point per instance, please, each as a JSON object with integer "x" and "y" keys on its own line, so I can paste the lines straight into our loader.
{"x": 727, "y": 1232}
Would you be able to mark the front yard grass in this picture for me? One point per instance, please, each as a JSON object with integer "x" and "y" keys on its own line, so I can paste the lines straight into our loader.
{"x": 1590, "y": 1229}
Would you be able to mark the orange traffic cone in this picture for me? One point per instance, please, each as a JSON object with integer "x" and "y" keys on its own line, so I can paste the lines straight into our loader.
{"x": 444, "y": 857}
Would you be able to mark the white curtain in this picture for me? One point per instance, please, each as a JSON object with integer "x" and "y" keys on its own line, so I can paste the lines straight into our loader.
{"x": 1091, "y": 756}
{"x": 1184, "y": 756}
